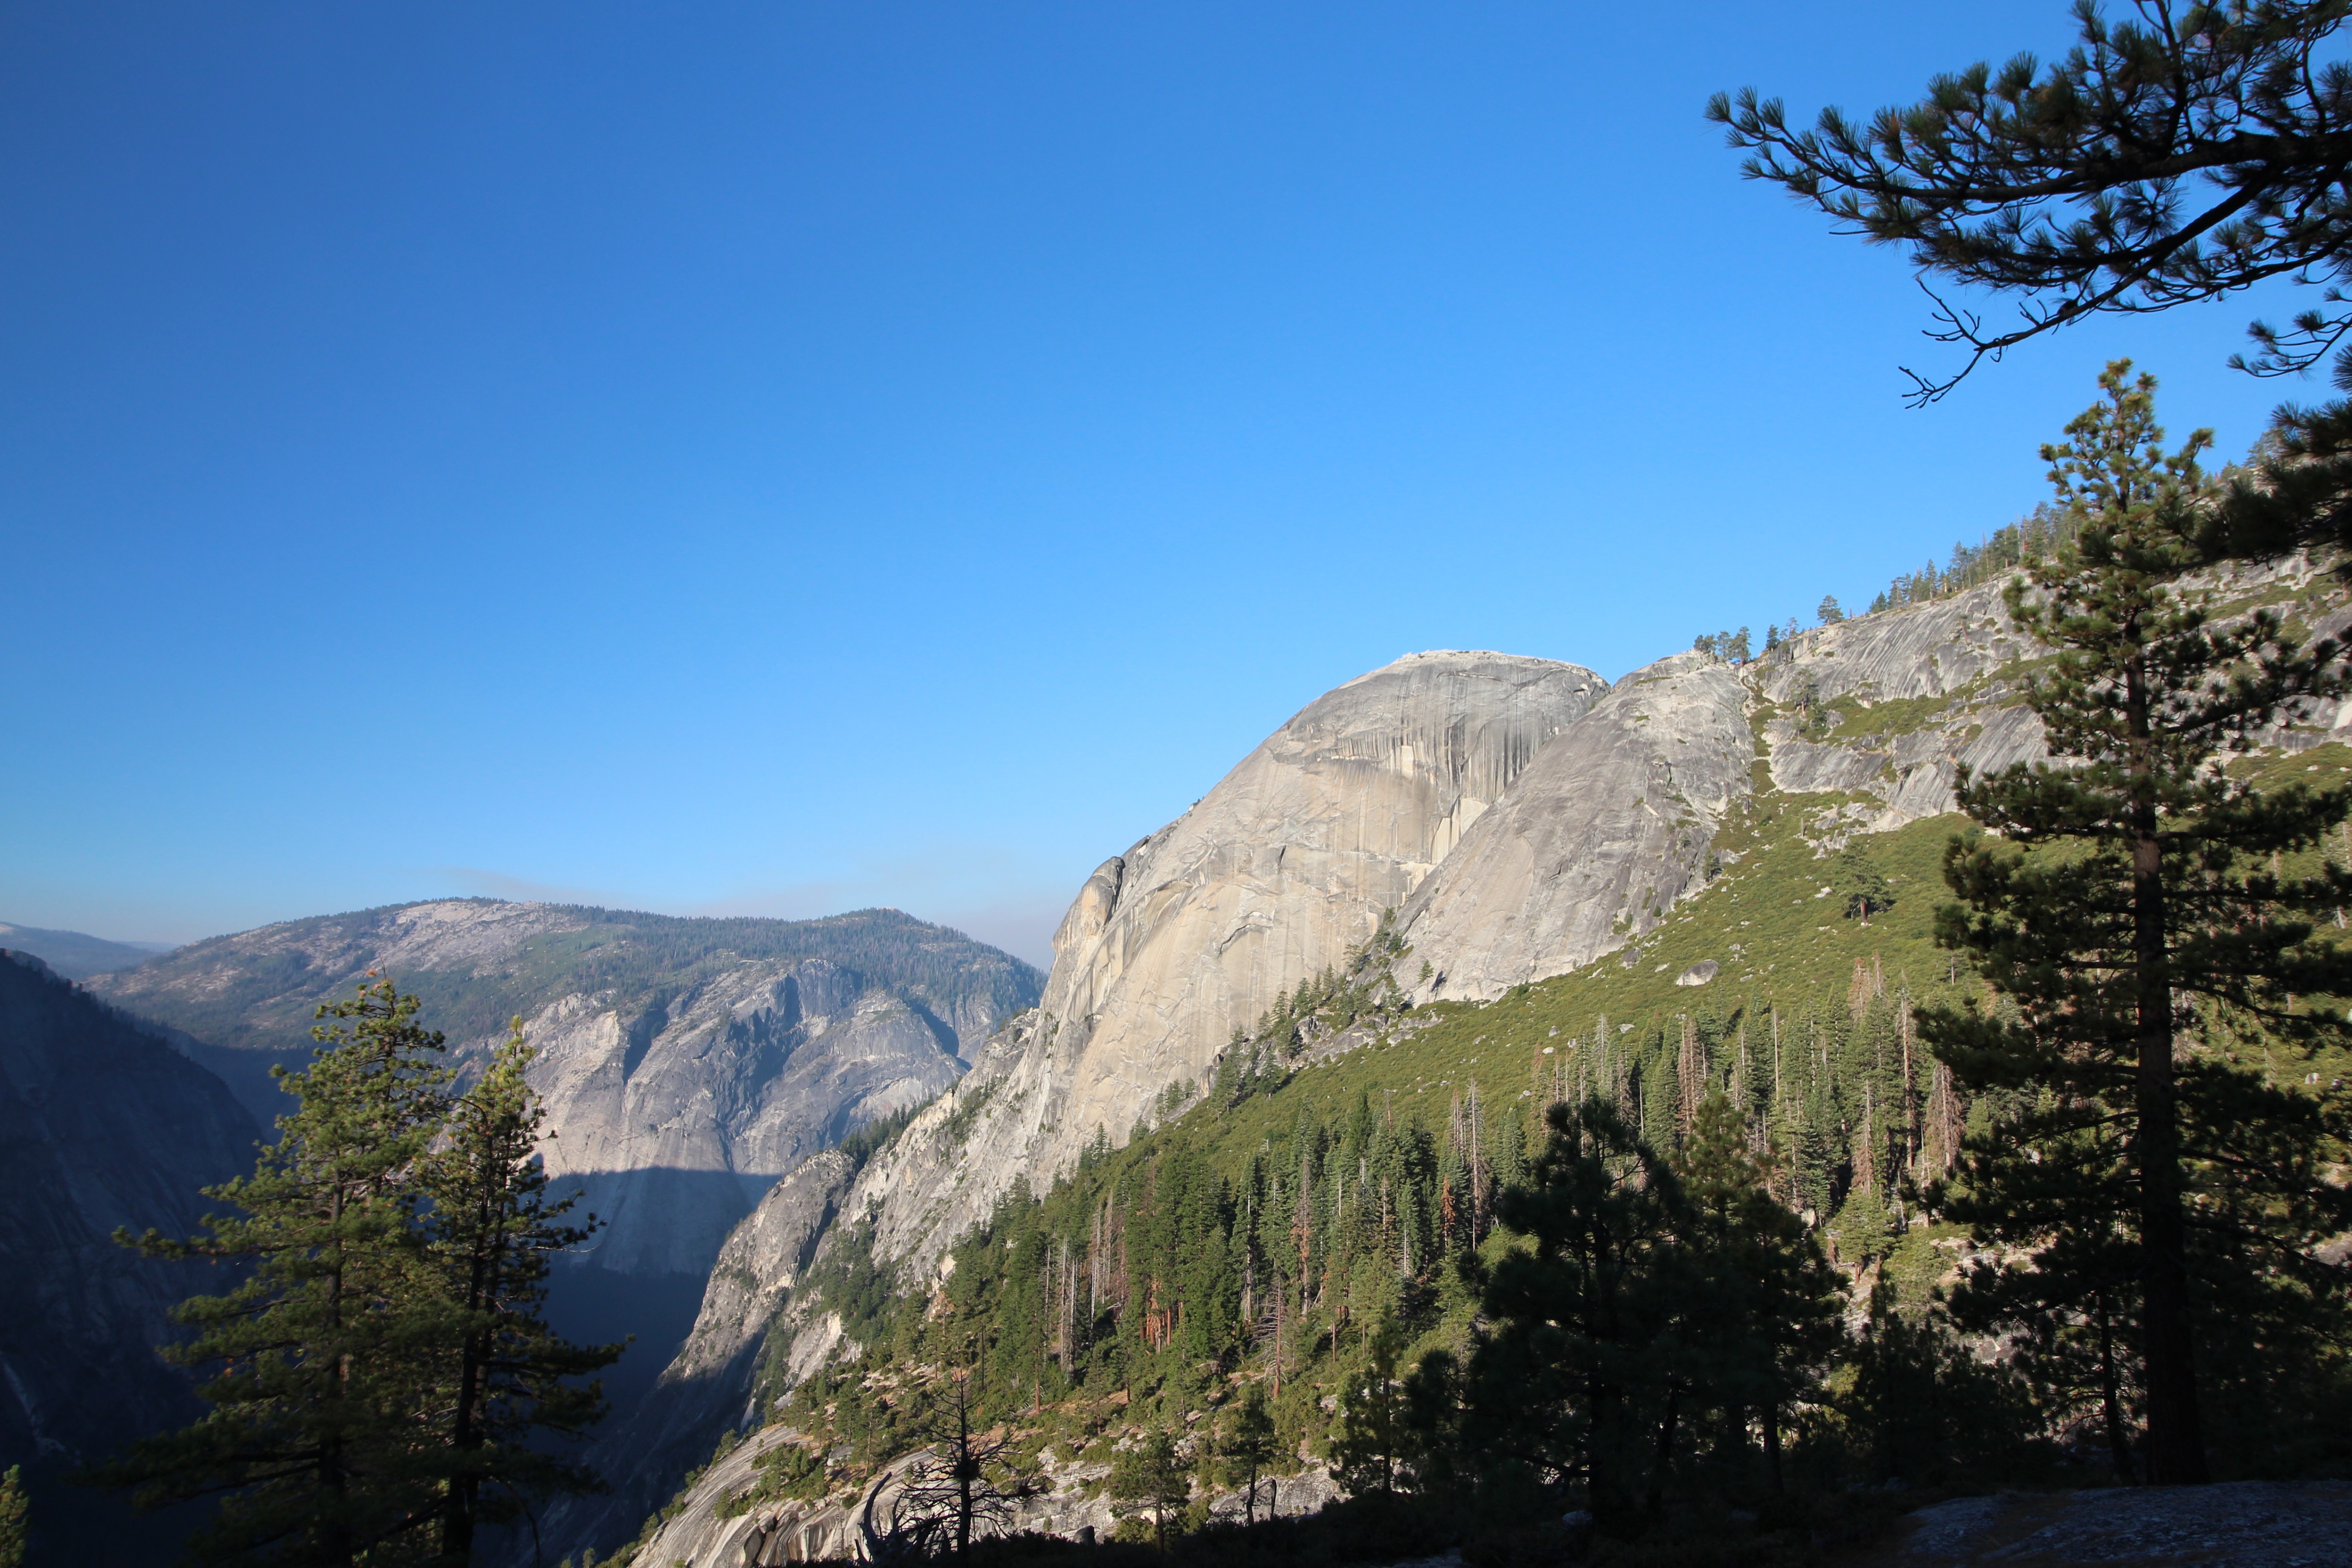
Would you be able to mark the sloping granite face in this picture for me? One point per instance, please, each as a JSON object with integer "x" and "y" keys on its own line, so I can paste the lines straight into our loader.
{"x": 102, "y": 1125}
{"x": 676, "y": 1123}
{"x": 706, "y": 1389}
{"x": 1275, "y": 875}
{"x": 1951, "y": 664}
{"x": 686, "y": 1064}
{"x": 1595, "y": 840}
{"x": 1952, "y": 671}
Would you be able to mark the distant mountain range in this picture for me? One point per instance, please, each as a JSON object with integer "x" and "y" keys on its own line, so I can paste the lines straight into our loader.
{"x": 686, "y": 1064}
{"x": 76, "y": 954}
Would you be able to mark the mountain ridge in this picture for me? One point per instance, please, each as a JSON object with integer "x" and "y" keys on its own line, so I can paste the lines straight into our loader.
{"x": 1694, "y": 778}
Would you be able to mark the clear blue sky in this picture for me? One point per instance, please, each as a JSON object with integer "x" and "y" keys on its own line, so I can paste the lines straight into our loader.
{"x": 782, "y": 457}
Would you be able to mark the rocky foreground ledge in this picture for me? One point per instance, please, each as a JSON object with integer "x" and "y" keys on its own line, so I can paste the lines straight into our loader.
{"x": 2239, "y": 1524}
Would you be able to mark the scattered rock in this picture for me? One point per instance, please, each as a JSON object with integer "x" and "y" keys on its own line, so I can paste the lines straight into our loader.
{"x": 2238, "y": 1524}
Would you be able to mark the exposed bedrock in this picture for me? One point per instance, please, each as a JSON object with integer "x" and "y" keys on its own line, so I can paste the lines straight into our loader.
{"x": 1594, "y": 842}
{"x": 708, "y": 1387}
{"x": 1272, "y": 877}
{"x": 686, "y": 1064}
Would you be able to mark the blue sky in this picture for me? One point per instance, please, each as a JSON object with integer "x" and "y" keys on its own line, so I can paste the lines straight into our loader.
{"x": 776, "y": 458}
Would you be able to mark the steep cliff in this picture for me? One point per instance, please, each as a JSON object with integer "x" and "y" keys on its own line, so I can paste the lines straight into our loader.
{"x": 1271, "y": 878}
{"x": 1647, "y": 889}
{"x": 1594, "y": 842}
{"x": 102, "y": 1125}
{"x": 686, "y": 1064}
{"x": 707, "y": 1387}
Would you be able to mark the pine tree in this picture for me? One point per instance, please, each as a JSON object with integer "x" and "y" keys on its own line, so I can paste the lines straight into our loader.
{"x": 967, "y": 1483}
{"x": 2130, "y": 914}
{"x": 322, "y": 1358}
{"x": 1368, "y": 1449}
{"x": 1766, "y": 1316}
{"x": 1866, "y": 889}
{"x": 2179, "y": 158}
{"x": 1151, "y": 1477}
{"x": 1571, "y": 1384}
{"x": 491, "y": 1231}
{"x": 1249, "y": 1446}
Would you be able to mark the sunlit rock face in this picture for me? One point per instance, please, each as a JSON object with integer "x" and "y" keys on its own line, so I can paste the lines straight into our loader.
{"x": 1596, "y": 840}
{"x": 684, "y": 1065}
{"x": 1950, "y": 665}
{"x": 1272, "y": 877}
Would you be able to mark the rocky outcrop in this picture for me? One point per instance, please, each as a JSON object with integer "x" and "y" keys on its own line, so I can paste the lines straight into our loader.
{"x": 674, "y": 1123}
{"x": 707, "y": 1388}
{"x": 1273, "y": 876}
{"x": 1889, "y": 707}
{"x": 1596, "y": 841}
{"x": 2242, "y": 1524}
{"x": 102, "y": 1125}
{"x": 1522, "y": 821}
{"x": 686, "y": 1064}
{"x": 707, "y": 1532}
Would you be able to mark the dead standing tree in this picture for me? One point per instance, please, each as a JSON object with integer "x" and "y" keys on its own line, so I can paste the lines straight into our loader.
{"x": 966, "y": 1484}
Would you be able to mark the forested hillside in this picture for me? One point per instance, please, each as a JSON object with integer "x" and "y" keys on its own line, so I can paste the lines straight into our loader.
{"x": 1324, "y": 1204}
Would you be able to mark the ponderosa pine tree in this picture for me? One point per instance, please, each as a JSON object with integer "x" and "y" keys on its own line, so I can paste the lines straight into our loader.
{"x": 2195, "y": 151}
{"x": 2130, "y": 911}
{"x": 319, "y": 1359}
{"x": 1368, "y": 1447}
{"x": 1150, "y": 1478}
{"x": 491, "y": 1229}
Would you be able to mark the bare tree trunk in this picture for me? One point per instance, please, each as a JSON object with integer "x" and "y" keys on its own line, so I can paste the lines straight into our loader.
{"x": 2111, "y": 1397}
{"x": 2176, "y": 1447}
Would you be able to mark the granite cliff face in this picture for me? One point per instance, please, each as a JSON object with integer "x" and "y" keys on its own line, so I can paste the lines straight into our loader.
{"x": 102, "y": 1125}
{"x": 686, "y": 1064}
{"x": 1948, "y": 668}
{"x": 1599, "y": 836}
{"x": 1272, "y": 877}
{"x": 708, "y": 1386}
{"x": 1522, "y": 821}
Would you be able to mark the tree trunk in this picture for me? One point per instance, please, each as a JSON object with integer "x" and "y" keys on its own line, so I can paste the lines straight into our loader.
{"x": 2111, "y": 1397}
{"x": 335, "y": 1539}
{"x": 1657, "y": 1502}
{"x": 2176, "y": 1449}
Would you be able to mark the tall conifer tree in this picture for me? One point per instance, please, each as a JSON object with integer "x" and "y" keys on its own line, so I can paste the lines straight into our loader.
{"x": 312, "y": 1441}
{"x": 491, "y": 1230}
{"x": 2130, "y": 911}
